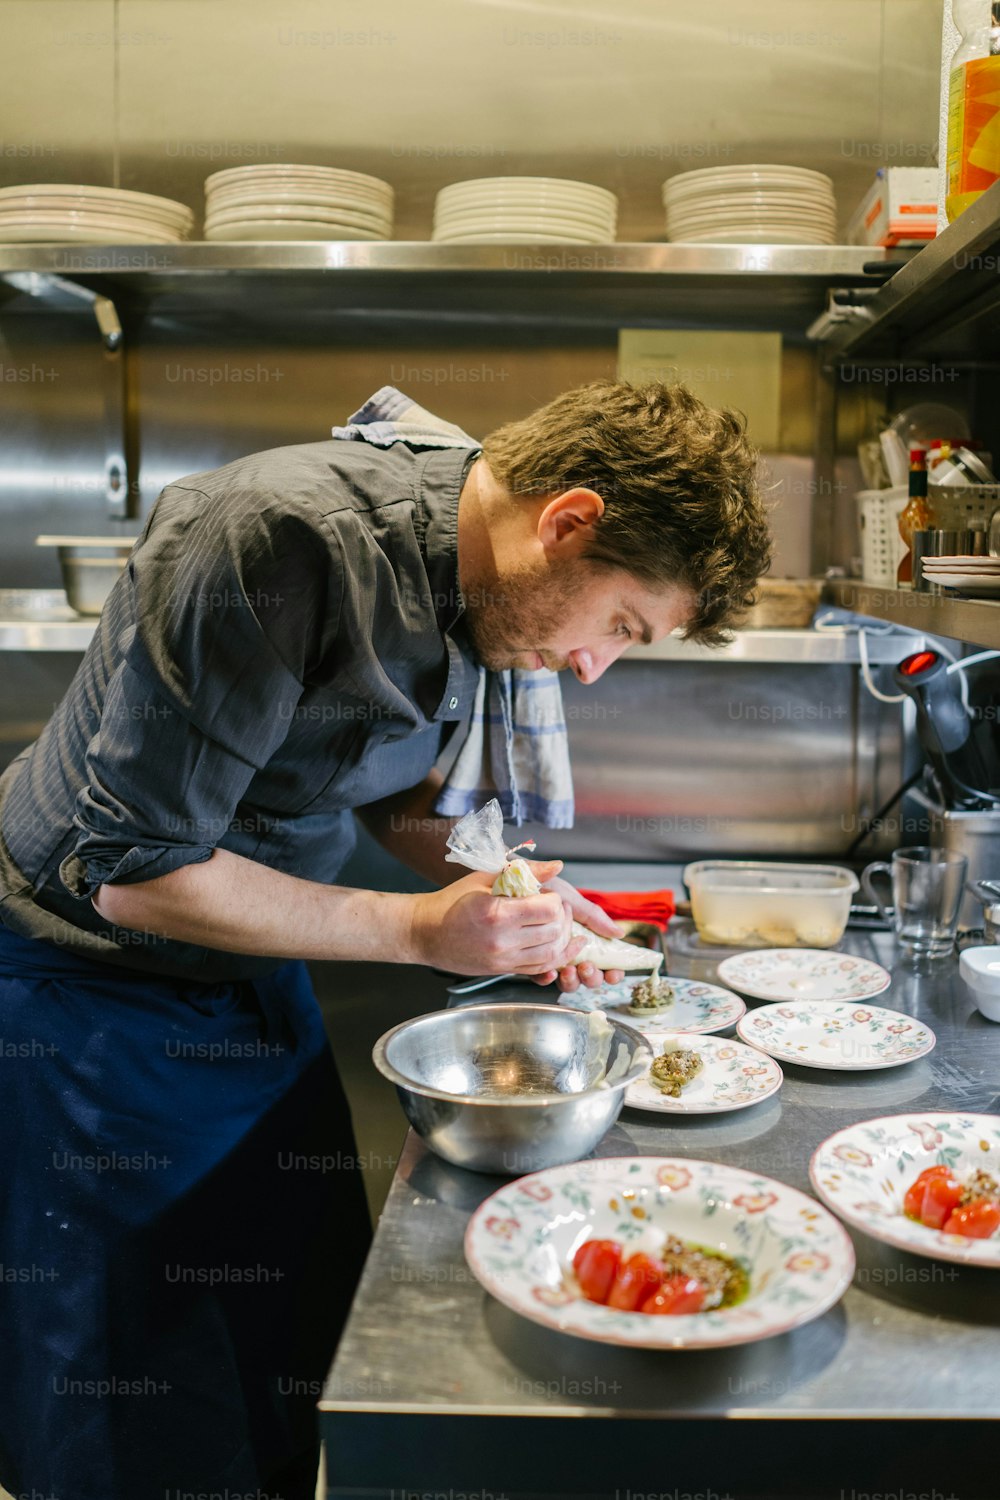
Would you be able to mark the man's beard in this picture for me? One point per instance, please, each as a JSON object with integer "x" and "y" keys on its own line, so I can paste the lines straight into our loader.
{"x": 509, "y": 619}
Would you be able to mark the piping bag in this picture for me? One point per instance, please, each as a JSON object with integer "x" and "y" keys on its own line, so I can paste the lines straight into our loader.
{"x": 476, "y": 841}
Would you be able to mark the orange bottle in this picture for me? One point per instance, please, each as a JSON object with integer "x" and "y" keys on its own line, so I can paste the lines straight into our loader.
{"x": 973, "y": 105}
{"x": 917, "y": 515}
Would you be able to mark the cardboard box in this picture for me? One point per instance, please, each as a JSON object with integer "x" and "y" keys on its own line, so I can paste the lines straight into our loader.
{"x": 900, "y": 208}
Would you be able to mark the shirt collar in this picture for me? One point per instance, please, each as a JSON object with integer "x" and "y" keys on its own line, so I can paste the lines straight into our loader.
{"x": 438, "y": 490}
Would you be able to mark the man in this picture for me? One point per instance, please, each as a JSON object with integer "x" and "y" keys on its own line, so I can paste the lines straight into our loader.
{"x": 295, "y": 638}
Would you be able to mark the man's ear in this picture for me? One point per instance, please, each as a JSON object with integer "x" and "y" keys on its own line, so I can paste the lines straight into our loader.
{"x": 565, "y": 523}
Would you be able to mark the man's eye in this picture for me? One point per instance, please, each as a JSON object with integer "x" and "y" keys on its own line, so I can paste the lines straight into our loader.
{"x": 624, "y": 630}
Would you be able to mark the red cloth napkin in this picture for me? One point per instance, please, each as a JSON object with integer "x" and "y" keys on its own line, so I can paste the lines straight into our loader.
{"x": 655, "y": 907}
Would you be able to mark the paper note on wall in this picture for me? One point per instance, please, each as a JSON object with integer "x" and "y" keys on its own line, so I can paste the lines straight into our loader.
{"x": 741, "y": 370}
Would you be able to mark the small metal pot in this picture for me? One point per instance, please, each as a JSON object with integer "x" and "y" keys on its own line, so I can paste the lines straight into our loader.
{"x": 91, "y": 566}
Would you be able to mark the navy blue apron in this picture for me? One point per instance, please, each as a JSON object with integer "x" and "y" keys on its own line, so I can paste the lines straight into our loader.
{"x": 182, "y": 1224}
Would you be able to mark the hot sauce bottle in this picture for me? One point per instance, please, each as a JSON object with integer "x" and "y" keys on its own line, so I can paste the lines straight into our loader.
{"x": 917, "y": 514}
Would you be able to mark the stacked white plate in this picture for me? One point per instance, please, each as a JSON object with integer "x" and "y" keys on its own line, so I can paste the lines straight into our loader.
{"x": 549, "y": 210}
{"x": 65, "y": 212}
{"x": 278, "y": 202}
{"x": 755, "y": 205}
{"x": 979, "y": 577}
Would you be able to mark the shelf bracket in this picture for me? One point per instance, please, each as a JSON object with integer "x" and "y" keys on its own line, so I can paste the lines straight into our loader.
{"x": 58, "y": 291}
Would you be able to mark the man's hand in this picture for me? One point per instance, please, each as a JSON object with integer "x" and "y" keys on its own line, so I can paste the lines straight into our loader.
{"x": 570, "y": 975}
{"x": 466, "y": 929}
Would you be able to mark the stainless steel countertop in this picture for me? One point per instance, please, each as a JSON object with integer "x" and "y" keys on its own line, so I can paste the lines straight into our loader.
{"x": 911, "y": 1338}
{"x": 42, "y": 620}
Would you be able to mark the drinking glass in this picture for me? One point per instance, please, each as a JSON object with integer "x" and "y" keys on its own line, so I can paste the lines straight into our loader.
{"x": 927, "y": 887}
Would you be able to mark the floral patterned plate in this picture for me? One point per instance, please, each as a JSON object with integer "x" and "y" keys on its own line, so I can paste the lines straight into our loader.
{"x": 863, "y": 1173}
{"x": 521, "y": 1241}
{"x": 696, "y": 1007}
{"x": 804, "y": 974}
{"x": 850, "y": 1038}
{"x": 732, "y": 1077}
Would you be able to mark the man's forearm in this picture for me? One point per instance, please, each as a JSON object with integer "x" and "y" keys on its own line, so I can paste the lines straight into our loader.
{"x": 407, "y": 827}
{"x": 239, "y": 906}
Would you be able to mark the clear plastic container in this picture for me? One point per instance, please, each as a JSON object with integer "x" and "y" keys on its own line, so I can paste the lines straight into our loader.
{"x": 748, "y": 904}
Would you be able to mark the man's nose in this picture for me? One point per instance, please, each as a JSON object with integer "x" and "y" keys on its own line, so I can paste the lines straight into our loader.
{"x": 589, "y": 665}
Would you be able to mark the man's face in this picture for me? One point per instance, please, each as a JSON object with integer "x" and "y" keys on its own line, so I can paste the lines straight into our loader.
{"x": 567, "y": 612}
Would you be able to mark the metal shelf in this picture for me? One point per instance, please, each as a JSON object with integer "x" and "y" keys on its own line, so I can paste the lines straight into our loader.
{"x": 974, "y": 620}
{"x": 944, "y": 304}
{"x": 767, "y": 286}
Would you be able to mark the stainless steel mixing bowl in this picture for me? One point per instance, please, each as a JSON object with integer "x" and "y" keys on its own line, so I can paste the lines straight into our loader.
{"x": 502, "y": 1088}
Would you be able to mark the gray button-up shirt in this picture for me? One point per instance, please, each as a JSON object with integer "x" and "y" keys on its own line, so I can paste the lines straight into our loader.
{"x": 285, "y": 644}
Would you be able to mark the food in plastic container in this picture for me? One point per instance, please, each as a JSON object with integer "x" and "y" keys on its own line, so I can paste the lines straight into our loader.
{"x": 746, "y": 904}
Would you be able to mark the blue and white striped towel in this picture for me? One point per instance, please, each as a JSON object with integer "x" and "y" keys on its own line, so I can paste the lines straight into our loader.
{"x": 516, "y": 747}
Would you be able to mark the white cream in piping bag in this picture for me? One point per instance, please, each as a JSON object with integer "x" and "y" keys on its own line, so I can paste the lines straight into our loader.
{"x": 518, "y": 879}
{"x": 476, "y": 842}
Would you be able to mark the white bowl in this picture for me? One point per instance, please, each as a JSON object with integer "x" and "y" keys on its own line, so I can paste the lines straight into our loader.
{"x": 74, "y": 234}
{"x": 318, "y": 198}
{"x": 502, "y": 192}
{"x": 863, "y": 1172}
{"x": 278, "y": 192}
{"x": 544, "y": 198}
{"x": 288, "y": 229}
{"x": 733, "y": 1076}
{"x": 29, "y": 204}
{"x": 520, "y": 1244}
{"x": 696, "y": 1007}
{"x": 99, "y": 229}
{"x": 730, "y": 223}
{"x": 736, "y": 178}
{"x": 521, "y": 224}
{"x": 288, "y": 174}
{"x": 587, "y": 190}
{"x": 299, "y": 212}
{"x": 511, "y": 237}
{"x": 690, "y": 198}
{"x": 980, "y": 968}
{"x": 116, "y": 198}
{"x": 594, "y": 218}
{"x": 847, "y": 1038}
{"x": 755, "y": 197}
{"x": 779, "y": 234}
{"x": 778, "y": 974}
{"x": 783, "y": 213}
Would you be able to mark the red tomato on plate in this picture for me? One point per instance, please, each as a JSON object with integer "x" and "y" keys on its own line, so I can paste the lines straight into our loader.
{"x": 636, "y": 1280}
{"x": 930, "y": 1172}
{"x": 977, "y": 1220}
{"x": 678, "y": 1294}
{"x": 916, "y": 1198}
{"x": 941, "y": 1196}
{"x": 596, "y": 1265}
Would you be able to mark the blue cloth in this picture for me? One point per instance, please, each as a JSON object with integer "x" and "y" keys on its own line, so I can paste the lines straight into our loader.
{"x": 515, "y": 748}
{"x": 182, "y": 1224}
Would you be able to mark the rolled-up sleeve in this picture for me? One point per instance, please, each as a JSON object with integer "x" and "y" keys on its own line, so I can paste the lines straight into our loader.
{"x": 228, "y": 603}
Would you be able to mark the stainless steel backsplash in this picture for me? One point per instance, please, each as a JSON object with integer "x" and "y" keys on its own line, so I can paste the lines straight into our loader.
{"x": 670, "y": 758}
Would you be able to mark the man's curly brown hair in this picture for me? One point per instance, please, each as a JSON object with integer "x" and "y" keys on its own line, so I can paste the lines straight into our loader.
{"x": 678, "y": 480}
